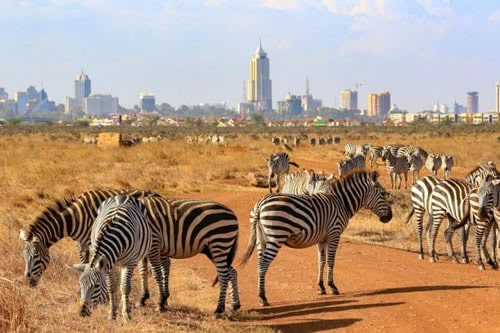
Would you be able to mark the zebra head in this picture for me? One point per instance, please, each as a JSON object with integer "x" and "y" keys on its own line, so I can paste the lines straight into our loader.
{"x": 93, "y": 285}
{"x": 375, "y": 198}
{"x": 488, "y": 193}
{"x": 36, "y": 257}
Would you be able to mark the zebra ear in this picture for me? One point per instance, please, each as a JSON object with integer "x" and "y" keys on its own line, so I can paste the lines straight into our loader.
{"x": 78, "y": 267}
{"x": 24, "y": 235}
{"x": 101, "y": 263}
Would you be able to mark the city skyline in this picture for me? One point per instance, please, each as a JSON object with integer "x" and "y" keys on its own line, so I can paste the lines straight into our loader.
{"x": 190, "y": 52}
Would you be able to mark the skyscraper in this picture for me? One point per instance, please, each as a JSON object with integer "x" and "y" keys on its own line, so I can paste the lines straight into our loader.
{"x": 82, "y": 86}
{"x": 147, "y": 102}
{"x": 472, "y": 102}
{"x": 349, "y": 99}
{"x": 379, "y": 104}
{"x": 260, "y": 85}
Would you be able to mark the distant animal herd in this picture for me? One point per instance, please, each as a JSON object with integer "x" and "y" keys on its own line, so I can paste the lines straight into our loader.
{"x": 118, "y": 231}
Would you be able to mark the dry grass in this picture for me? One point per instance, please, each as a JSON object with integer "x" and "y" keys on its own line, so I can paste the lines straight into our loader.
{"x": 39, "y": 168}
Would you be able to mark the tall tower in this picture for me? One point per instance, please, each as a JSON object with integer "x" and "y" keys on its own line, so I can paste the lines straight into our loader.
{"x": 260, "y": 85}
{"x": 82, "y": 86}
{"x": 349, "y": 99}
{"x": 472, "y": 102}
{"x": 497, "y": 109}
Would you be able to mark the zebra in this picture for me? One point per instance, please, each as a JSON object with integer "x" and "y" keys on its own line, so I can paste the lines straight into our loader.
{"x": 306, "y": 182}
{"x": 301, "y": 221}
{"x": 336, "y": 140}
{"x": 411, "y": 150}
{"x": 480, "y": 205}
{"x": 420, "y": 193}
{"x": 312, "y": 141}
{"x": 277, "y": 164}
{"x": 375, "y": 153}
{"x": 187, "y": 227}
{"x": 66, "y": 218}
{"x": 433, "y": 163}
{"x": 296, "y": 141}
{"x": 446, "y": 164}
{"x": 415, "y": 164}
{"x": 275, "y": 140}
{"x": 353, "y": 150}
{"x": 121, "y": 236}
{"x": 395, "y": 166}
{"x": 449, "y": 199}
{"x": 477, "y": 175}
{"x": 349, "y": 165}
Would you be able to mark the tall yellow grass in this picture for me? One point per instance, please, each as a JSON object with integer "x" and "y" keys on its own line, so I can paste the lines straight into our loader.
{"x": 39, "y": 168}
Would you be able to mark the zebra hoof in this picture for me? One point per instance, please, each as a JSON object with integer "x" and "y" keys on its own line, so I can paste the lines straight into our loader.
{"x": 161, "y": 309}
{"x": 465, "y": 260}
{"x": 321, "y": 291}
{"x": 264, "y": 302}
{"x": 236, "y": 307}
{"x": 421, "y": 256}
{"x": 481, "y": 267}
{"x": 432, "y": 259}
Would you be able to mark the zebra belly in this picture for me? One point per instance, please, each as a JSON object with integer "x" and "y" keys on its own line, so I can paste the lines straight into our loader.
{"x": 300, "y": 241}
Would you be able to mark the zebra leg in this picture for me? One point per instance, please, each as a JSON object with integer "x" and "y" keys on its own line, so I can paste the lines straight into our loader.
{"x": 448, "y": 237}
{"x": 83, "y": 252}
{"x": 235, "y": 293}
{"x": 125, "y": 287}
{"x": 112, "y": 281}
{"x": 278, "y": 176}
{"x": 464, "y": 236}
{"x": 156, "y": 265}
{"x": 484, "y": 241}
{"x": 333, "y": 244}
{"x": 269, "y": 177}
{"x": 165, "y": 266}
{"x": 143, "y": 273}
{"x": 265, "y": 257}
{"x": 321, "y": 247}
{"x": 431, "y": 240}
{"x": 419, "y": 214}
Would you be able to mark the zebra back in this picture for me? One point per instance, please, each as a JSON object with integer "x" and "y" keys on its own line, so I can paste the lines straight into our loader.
{"x": 479, "y": 174}
{"x": 306, "y": 182}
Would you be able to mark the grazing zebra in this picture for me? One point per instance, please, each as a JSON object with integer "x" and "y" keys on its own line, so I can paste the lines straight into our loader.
{"x": 353, "y": 150}
{"x": 477, "y": 175}
{"x": 275, "y": 140}
{"x": 480, "y": 204}
{"x": 71, "y": 218}
{"x": 420, "y": 194}
{"x": 349, "y": 165}
{"x": 446, "y": 164}
{"x": 415, "y": 164}
{"x": 306, "y": 182}
{"x": 188, "y": 227}
{"x": 433, "y": 163}
{"x": 375, "y": 153}
{"x": 121, "y": 236}
{"x": 277, "y": 164}
{"x": 301, "y": 221}
{"x": 449, "y": 199}
{"x": 395, "y": 166}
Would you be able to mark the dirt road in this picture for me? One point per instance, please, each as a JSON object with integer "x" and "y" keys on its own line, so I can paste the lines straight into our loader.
{"x": 382, "y": 289}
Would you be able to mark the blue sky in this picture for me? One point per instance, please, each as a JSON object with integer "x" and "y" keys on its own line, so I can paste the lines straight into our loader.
{"x": 199, "y": 51}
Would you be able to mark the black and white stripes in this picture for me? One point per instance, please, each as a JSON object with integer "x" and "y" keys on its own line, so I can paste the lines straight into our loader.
{"x": 279, "y": 163}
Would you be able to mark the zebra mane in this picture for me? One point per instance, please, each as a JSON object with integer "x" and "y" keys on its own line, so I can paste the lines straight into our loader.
{"x": 57, "y": 207}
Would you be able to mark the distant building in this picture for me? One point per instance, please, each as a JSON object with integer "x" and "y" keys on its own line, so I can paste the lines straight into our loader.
{"x": 260, "y": 84}
{"x": 291, "y": 106}
{"x": 147, "y": 102}
{"x": 472, "y": 102}
{"x": 3, "y": 94}
{"x": 82, "y": 86}
{"x": 100, "y": 105}
{"x": 349, "y": 99}
{"x": 443, "y": 108}
{"x": 21, "y": 100}
{"x": 379, "y": 104}
{"x": 308, "y": 102}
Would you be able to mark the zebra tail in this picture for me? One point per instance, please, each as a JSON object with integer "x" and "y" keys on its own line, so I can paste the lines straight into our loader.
{"x": 252, "y": 238}
{"x": 410, "y": 214}
{"x": 293, "y": 163}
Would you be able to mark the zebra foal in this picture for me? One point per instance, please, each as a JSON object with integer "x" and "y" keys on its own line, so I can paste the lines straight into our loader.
{"x": 121, "y": 236}
{"x": 301, "y": 221}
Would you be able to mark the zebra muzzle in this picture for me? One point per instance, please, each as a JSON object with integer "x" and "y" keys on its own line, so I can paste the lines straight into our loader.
{"x": 85, "y": 309}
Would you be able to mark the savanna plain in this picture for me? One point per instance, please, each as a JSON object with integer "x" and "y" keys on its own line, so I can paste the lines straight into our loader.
{"x": 383, "y": 285}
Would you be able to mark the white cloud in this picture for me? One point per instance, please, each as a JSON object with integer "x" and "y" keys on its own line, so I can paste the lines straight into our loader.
{"x": 436, "y": 7}
{"x": 284, "y": 4}
{"x": 356, "y": 7}
{"x": 495, "y": 16}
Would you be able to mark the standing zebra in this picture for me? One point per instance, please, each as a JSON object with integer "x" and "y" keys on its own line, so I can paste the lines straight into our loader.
{"x": 395, "y": 166}
{"x": 296, "y": 141}
{"x": 306, "y": 182}
{"x": 349, "y": 165}
{"x": 301, "y": 221}
{"x": 446, "y": 164}
{"x": 351, "y": 150}
{"x": 121, "y": 236}
{"x": 277, "y": 164}
{"x": 275, "y": 140}
{"x": 433, "y": 163}
{"x": 411, "y": 150}
{"x": 415, "y": 164}
{"x": 375, "y": 153}
{"x": 449, "y": 199}
{"x": 66, "y": 218}
{"x": 420, "y": 194}
{"x": 477, "y": 175}
{"x": 187, "y": 227}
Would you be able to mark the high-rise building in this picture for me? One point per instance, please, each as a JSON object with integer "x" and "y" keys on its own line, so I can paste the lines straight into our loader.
{"x": 21, "y": 100}
{"x": 308, "y": 102}
{"x": 349, "y": 99}
{"x": 82, "y": 86}
{"x": 147, "y": 102}
{"x": 379, "y": 104}
{"x": 260, "y": 84}
{"x": 472, "y": 102}
{"x": 497, "y": 109}
{"x": 100, "y": 104}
